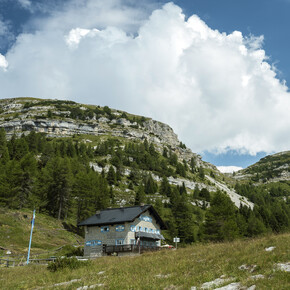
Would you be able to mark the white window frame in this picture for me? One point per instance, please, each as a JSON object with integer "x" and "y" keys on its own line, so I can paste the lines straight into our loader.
{"x": 119, "y": 242}
{"x": 105, "y": 229}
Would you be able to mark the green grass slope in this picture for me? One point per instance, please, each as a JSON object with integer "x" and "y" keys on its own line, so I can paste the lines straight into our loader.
{"x": 168, "y": 269}
{"x": 48, "y": 235}
{"x": 271, "y": 168}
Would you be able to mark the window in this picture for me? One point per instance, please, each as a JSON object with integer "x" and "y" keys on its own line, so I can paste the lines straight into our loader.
{"x": 146, "y": 230}
{"x": 145, "y": 218}
{"x": 105, "y": 229}
{"x": 120, "y": 228}
{"x": 119, "y": 242}
{"x": 133, "y": 228}
{"x": 132, "y": 241}
{"x": 139, "y": 229}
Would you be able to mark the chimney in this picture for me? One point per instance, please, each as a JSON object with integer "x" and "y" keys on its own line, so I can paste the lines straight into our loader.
{"x": 98, "y": 212}
{"x": 142, "y": 204}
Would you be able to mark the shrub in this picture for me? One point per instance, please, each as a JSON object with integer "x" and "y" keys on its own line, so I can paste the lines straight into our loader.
{"x": 70, "y": 251}
{"x": 71, "y": 263}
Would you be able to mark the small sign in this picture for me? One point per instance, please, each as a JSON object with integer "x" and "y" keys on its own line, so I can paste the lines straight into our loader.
{"x": 145, "y": 218}
{"x": 93, "y": 243}
{"x": 176, "y": 240}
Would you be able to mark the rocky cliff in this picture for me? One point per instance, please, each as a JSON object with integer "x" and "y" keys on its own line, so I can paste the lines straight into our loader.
{"x": 22, "y": 115}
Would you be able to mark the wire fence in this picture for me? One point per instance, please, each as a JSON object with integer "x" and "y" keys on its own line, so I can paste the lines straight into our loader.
{"x": 12, "y": 262}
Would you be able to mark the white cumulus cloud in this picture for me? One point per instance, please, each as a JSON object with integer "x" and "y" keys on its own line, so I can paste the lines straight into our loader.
{"x": 216, "y": 90}
{"x": 3, "y": 62}
{"x": 228, "y": 169}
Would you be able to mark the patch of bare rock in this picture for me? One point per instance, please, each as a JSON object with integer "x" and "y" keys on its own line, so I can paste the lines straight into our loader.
{"x": 90, "y": 287}
{"x": 249, "y": 268}
{"x": 222, "y": 280}
{"x": 283, "y": 267}
{"x": 270, "y": 249}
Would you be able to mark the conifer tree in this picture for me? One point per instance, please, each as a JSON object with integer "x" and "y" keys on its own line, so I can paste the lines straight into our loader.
{"x": 220, "y": 221}
{"x": 111, "y": 176}
{"x": 192, "y": 164}
{"x": 150, "y": 185}
{"x": 57, "y": 183}
{"x": 4, "y": 154}
{"x": 165, "y": 188}
{"x": 140, "y": 196}
{"x": 183, "y": 215}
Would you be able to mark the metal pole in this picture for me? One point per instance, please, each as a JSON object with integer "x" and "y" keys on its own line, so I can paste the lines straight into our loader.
{"x": 176, "y": 243}
{"x": 32, "y": 225}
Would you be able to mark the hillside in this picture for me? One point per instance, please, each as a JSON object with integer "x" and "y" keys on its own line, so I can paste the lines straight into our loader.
{"x": 257, "y": 263}
{"x": 271, "y": 174}
{"x": 272, "y": 168}
{"x": 49, "y": 234}
{"x": 95, "y": 124}
{"x": 68, "y": 160}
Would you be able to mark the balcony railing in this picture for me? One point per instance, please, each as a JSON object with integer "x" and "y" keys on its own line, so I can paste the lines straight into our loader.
{"x": 109, "y": 249}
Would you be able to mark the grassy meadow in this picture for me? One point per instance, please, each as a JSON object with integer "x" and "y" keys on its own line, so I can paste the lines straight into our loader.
{"x": 168, "y": 269}
{"x": 48, "y": 234}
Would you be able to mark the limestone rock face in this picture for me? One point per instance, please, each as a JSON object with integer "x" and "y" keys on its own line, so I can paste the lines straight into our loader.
{"x": 16, "y": 117}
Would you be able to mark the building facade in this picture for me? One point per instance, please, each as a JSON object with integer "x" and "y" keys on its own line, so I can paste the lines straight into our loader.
{"x": 137, "y": 226}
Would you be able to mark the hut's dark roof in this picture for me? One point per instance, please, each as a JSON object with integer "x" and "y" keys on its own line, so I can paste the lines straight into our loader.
{"x": 121, "y": 215}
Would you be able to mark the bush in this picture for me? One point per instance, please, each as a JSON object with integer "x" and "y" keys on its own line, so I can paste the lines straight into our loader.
{"x": 70, "y": 251}
{"x": 71, "y": 263}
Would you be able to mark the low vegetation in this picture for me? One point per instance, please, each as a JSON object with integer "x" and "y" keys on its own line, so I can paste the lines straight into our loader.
{"x": 269, "y": 168}
{"x": 64, "y": 262}
{"x": 50, "y": 237}
{"x": 243, "y": 261}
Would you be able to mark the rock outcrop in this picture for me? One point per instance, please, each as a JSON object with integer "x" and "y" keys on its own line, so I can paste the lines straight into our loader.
{"x": 17, "y": 118}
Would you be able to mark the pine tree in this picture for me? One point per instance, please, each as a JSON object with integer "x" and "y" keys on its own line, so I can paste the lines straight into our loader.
{"x": 196, "y": 192}
{"x": 183, "y": 215}
{"x": 4, "y": 154}
{"x": 165, "y": 152}
{"x": 180, "y": 169}
{"x": 192, "y": 164}
{"x": 29, "y": 170}
{"x": 57, "y": 185}
{"x": 220, "y": 221}
{"x": 255, "y": 226}
{"x": 204, "y": 193}
{"x": 14, "y": 177}
{"x": 201, "y": 173}
{"x": 165, "y": 188}
{"x": 140, "y": 196}
{"x": 111, "y": 176}
{"x": 150, "y": 185}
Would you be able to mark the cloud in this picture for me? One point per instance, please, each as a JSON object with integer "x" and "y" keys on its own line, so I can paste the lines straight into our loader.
{"x": 216, "y": 90}
{"x": 228, "y": 169}
{"x": 25, "y": 4}
{"x": 3, "y": 62}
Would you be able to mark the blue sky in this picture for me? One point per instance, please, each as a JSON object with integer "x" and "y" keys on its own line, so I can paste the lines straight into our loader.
{"x": 215, "y": 71}
{"x": 258, "y": 17}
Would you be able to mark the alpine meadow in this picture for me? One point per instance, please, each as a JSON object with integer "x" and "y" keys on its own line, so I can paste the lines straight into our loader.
{"x": 144, "y": 144}
{"x": 69, "y": 160}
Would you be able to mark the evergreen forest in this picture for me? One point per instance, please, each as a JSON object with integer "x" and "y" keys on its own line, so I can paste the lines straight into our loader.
{"x": 57, "y": 176}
